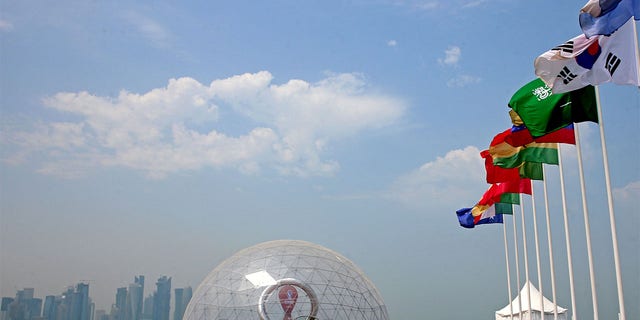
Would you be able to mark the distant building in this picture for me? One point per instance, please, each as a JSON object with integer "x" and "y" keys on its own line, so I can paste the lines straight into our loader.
{"x": 118, "y": 309}
{"x": 162, "y": 299}
{"x": 80, "y": 304}
{"x": 23, "y": 307}
{"x": 35, "y": 308}
{"x": 72, "y": 304}
{"x": 4, "y": 308}
{"x": 64, "y": 305}
{"x": 188, "y": 293}
{"x": 177, "y": 313}
{"x": 133, "y": 308}
{"x": 147, "y": 309}
{"x": 182, "y": 298}
{"x": 50, "y": 306}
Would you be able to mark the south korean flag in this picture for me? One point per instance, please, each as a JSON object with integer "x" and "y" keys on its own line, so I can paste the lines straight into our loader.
{"x": 580, "y": 61}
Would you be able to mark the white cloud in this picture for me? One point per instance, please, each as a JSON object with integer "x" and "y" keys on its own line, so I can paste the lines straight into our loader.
{"x": 474, "y": 4}
{"x": 452, "y": 56}
{"x": 392, "y": 43}
{"x": 149, "y": 29}
{"x": 630, "y": 192}
{"x": 5, "y": 26}
{"x": 175, "y": 128}
{"x": 462, "y": 81}
{"x": 454, "y": 178}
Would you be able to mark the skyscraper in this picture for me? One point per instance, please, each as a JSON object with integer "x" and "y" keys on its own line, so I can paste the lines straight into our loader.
{"x": 118, "y": 309}
{"x": 177, "y": 303}
{"x": 4, "y": 307}
{"x": 188, "y": 293}
{"x": 24, "y": 306}
{"x": 81, "y": 306}
{"x": 162, "y": 299}
{"x": 182, "y": 298}
{"x": 63, "y": 310}
{"x": 49, "y": 311}
{"x": 147, "y": 309}
{"x": 134, "y": 299}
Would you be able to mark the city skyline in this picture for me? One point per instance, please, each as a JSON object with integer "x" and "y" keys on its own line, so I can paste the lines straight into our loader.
{"x": 84, "y": 308}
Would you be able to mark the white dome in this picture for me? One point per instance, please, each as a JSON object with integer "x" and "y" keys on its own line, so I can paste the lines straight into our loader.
{"x": 245, "y": 286}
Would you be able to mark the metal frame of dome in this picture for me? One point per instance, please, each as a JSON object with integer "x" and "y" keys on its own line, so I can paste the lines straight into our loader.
{"x": 233, "y": 290}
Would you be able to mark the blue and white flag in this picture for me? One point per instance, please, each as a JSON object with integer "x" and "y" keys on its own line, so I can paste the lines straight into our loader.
{"x": 604, "y": 17}
{"x": 584, "y": 61}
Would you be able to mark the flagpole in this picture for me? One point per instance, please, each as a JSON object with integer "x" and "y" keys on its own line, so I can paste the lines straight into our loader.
{"x": 587, "y": 227}
{"x": 612, "y": 218}
{"x": 635, "y": 40}
{"x": 535, "y": 235}
{"x": 551, "y": 264}
{"x": 526, "y": 259}
{"x": 506, "y": 257}
{"x": 517, "y": 259}
{"x": 567, "y": 238}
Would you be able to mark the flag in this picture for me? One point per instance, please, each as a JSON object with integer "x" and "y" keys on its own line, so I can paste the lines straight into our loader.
{"x": 466, "y": 219}
{"x": 533, "y": 152}
{"x": 563, "y": 135}
{"x": 508, "y": 197}
{"x": 580, "y": 61}
{"x": 544, "y": 112}
{"x": 495, "y": 174}
{"x": 507, "y": 156}
{"x": 604, "y": 17}
{"x": 490, "y": 205}
{"x": 597, "y": 8}
{"x": 521, "y": 136}
{"x": 481, "y": 212}
{"x": 497, "y": 190}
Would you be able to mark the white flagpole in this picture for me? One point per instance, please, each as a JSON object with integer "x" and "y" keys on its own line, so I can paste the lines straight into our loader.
{"x": 515, "y": 242}
{"x": 612, "y": 218}
{"x": 549, "y": 242}
{"x": 535, "y": 235}
{"x": 635, "y": 40}
{"x": 506, "y": 257}
{"x": 587, "y": 228}
{"x": 574, "y": 310}
{"x": 526, "y": 260}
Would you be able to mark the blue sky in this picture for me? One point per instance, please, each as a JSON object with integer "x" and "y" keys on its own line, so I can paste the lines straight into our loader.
{"x": 159, "y": 138}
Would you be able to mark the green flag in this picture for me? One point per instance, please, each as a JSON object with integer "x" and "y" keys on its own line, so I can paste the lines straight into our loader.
{"x": 504, "y": 208}
{"x": 531, "y": 170}
{"x": 544, "y": 112}
{"x": 513, "y": 198}
{"x": 533, "y": 152}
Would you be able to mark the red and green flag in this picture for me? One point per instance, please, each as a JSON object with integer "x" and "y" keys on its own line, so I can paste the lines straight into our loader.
{"x": 533, "y": 152}
{"x": 497, "y": 190}
{"x": 495, "y": 174}
{"x": 507, "y": 156}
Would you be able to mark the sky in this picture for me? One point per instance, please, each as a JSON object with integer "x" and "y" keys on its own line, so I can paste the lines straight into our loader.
{"x": 161, "y": 137}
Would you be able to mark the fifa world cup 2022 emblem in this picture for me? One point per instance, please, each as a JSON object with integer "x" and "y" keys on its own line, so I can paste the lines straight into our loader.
{"x": 288, "y": 296}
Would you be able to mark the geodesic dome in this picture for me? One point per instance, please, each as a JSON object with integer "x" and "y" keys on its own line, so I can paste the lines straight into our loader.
{"x": 286, "y": 279}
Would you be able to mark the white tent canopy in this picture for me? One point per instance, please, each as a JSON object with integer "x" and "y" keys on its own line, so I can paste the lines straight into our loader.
{"x": 538, "y": 312}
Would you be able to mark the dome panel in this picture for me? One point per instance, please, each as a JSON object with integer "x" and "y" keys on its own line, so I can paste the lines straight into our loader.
{"x": 265, "y": 280}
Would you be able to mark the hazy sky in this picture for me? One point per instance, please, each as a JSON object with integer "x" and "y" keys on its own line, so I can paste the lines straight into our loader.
{"x": 161, "y": 137}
